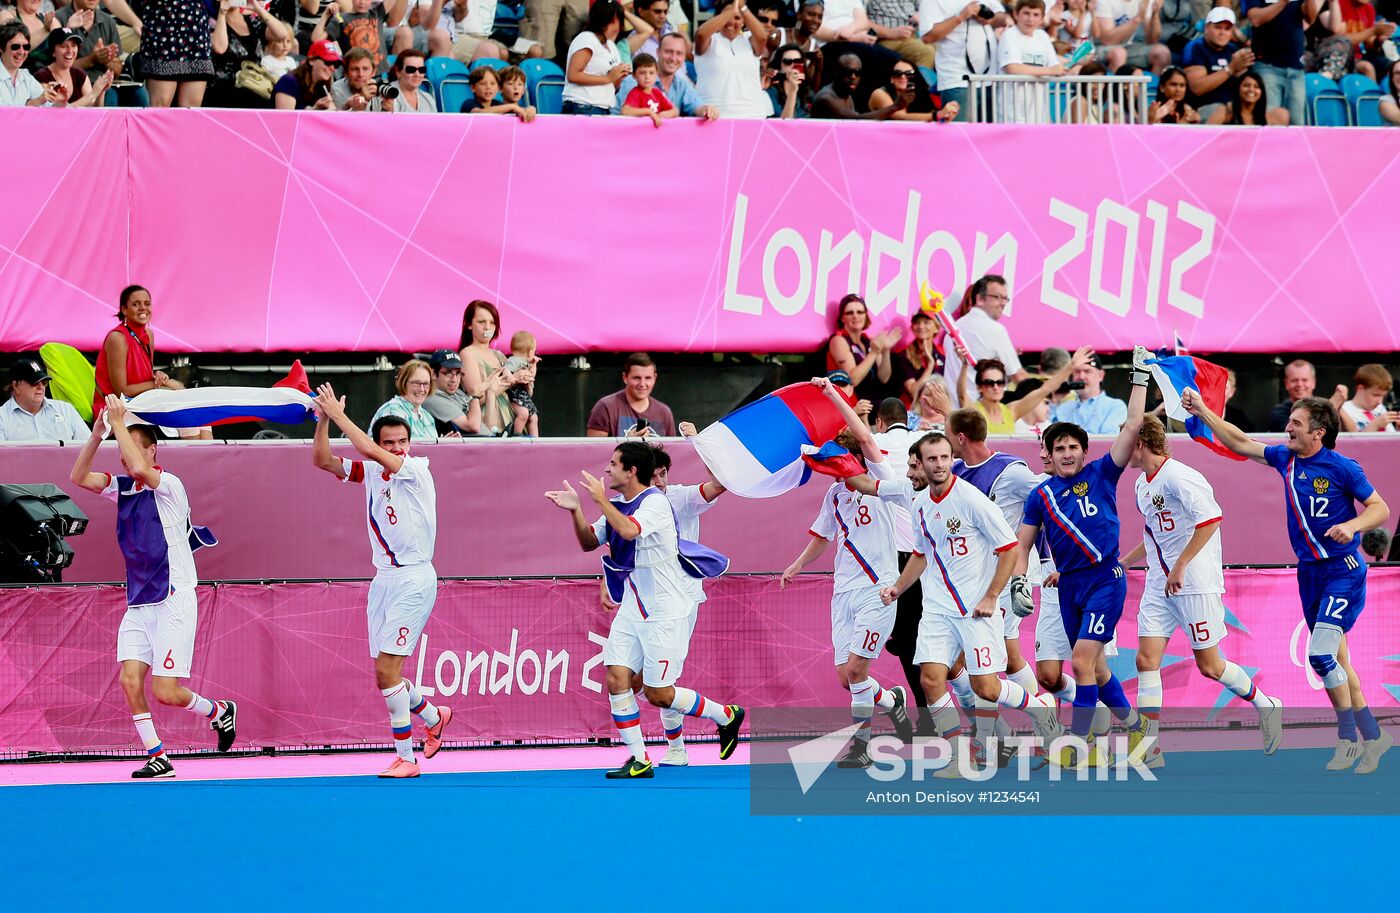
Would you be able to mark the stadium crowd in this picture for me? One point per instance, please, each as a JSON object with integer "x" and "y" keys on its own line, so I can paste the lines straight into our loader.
{"x": 1207, "y": 61}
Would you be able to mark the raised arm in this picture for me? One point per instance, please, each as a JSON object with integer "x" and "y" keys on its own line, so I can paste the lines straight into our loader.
{"x": 868, "y": 444}
{"x": 758, "y": 32}
{"x": 1228, "y": 434}
{"x": 82, "y": 474}
{"x": 321, "y": 456}
{"x": 329, "y": 404}
{"x": 133, "y": 455}
{"x": 1026, "y": 404}
{"x": 1122, "y": 449}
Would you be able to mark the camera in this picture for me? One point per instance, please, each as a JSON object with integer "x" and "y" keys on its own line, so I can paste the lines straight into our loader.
{"x": 1069, "y": 386}
{"x": 984, "y": 12}
{"x": 386, "y": 90}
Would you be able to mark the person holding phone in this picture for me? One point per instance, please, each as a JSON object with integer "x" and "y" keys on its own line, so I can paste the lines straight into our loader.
{"x": 632, "y": 411}
{"x": 788, "y": 88}
{"x": 964, "y": 39}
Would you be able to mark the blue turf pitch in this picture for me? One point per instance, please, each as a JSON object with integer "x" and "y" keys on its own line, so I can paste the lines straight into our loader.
{"x": 569, "y": 840}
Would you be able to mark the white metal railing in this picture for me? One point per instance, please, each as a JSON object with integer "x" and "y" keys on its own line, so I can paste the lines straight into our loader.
{"x": 1007, "y": 99}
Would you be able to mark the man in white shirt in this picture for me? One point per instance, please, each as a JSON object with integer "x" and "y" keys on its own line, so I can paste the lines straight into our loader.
{"x": 18, "y": 87}
{"x": 1129, "y": 31}
{"x": 729, "y": 62}
{"x": 29, "y": 415}
{"x": 985, "y": 336}
{"x": 845, "y": 20}
{"x": 965, "y": 42}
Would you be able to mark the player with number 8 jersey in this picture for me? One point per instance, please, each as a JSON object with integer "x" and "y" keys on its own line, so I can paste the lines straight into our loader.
{"x": 401, "y": 517}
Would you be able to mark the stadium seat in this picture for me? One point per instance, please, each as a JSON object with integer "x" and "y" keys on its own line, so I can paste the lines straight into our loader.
{"x": 1327, "y": 106}
{"x": 440, "y": 68}
{"x": 548, "y": 97}
{"x": 453, "y": 92}
{"x": 1363, "y": 100}
{"x": 507, "y": 23}
{"x": 930, "y": 76}
{"x": 491, "y": 62}
{"x": 536, "y": 69}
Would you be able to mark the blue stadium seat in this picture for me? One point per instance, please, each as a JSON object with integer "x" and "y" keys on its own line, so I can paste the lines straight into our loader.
{"x": 537, "y": 68}
{"x": 1327, "y": 106}
{"x": 491, "y": 62}
{"x": 548, "y": 96}
{"x": 543, "y": 72}
{"x": 439, "y": 68}
{"x": 930, "y": 77}
{"x": 690, "y": 71}
{"x": 507, "y": 22}
{"x": 452, "y": 92}
{"x": 1364, "y": 100}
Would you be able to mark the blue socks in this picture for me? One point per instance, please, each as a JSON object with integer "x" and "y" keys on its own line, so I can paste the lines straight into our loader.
{"x": 1086, "y": 698}
{"x": 1112, "y": 696}
{"x": 1346, "y": 724}
{"x": 1366, "y": 722}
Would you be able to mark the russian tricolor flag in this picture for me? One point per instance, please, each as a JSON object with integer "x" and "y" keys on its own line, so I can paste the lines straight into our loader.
{"x": 287, "y": 402}
{"x": 1177, "y": 374}
{"x": 756, "y": 450}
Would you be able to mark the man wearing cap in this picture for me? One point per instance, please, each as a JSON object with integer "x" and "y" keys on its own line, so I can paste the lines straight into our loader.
{"x": 453, "y": 408}
{"x": 1092, "y": 409}
{"x": 29, "y": 415}
{"x": 1278, "y": 44}
{"x": 842, "y": 381}
{"x": 1213, "y": 62}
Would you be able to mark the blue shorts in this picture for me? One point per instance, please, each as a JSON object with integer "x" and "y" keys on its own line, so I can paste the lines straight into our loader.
{"x": 1091, "y": 601}
{"x": 1333, "y": 591}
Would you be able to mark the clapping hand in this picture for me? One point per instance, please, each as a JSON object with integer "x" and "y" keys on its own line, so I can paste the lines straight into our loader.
{"x": 116, "y": 411}
{"x": 596, "y": 489}
{"x": 565, "y": 498}
{"x": 328, "y": 405}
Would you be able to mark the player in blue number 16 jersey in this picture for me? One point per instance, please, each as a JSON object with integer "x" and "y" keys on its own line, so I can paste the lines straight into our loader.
{"x": 1078, "y": 509}
{"x": 1320, "y": 488}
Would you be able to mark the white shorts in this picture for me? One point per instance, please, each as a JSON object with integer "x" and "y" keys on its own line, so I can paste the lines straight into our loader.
{"x": 1202, "y": 615}
{"x": 654, "y": 647}
{"x": 400, "y": 601}
{"x": 161, "y": 635}
{"x": 979, "y": 640}
{"x": 1051, "y": 642}
{"x": 1011, "y": 622}
{"x": 860, "y": 623}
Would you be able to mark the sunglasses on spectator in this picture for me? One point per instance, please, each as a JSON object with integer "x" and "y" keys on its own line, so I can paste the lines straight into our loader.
{"x": 791, "y": 61}
{"x": 16, "y": 46}
{"x": 901, "y": 74}
{"x": 855, "y": 70}
{"x": 411, "y": 70}
{"x": 768, "y": 20}
{"x": 992, "y": 382}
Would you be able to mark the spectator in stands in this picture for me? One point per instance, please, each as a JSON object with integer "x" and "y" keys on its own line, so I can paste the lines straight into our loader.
{"x": 1390, "y": 102}
{"x": 100, "y": 51}
{"x": 845, "y": 20}
{"x": 280, "y": 56}
{"x": 1277, "y": 42}
{"x": 1213, "y": 62}
{"x": 1355, "y": 21}
{"x": 804, "y": 35}
{"x": 1025, "y": 49}
{"x": 1250, "y": 106}
{"x": 728, "y": 61}
{"x": 364, "y": 26}
{"x": 632, "y": 411}
{"x": 892, "y": 21}
{"x": 356, "y": 90}
{"x": 931, "y": 406}
{"x": 866, "y": 362}
{"x": 645, "y": 99}
{"x": 842, "y": 381}
{"x": 452, "y": 408}
{"x": 906, "y": 81}
{"x": 636, "y": 31}
{"x": 1300, "y": 382}
{"x": 836, "y": 101}
{"x": 787, "y": 85}
{"x": 965, "y": 43}
{"x": 1372, "y": 407}
{"x": 74, "y": 89}
{"x": 672, "y": 80}
{"x": 522, "y": 365}
{"x": 546, "y": 19}
{"x": 422, "y": 29}
{"x": 1234, "y": 414}
{"x": 485, "y": 87}
{"x": 595, "y": 65}
{"x": 18, "y": 87}
{"x": 309, "y": 85}
{"x": 921, "y": 359}
{"x": 471, "y": 23}
{"x": 175, "y": 52}
{"x": 512, "y": 90}
{"x": 1093, "y": 104}
{"x": 979, "y": 324}
{"x": 35, "y": 15}
{"x": 1092, "y": 409}
{"x": 410, "y": 70}
{"x": 1073, "y": 27}
{"x": 240, "y": 36}
{"x": 991, "y": 392}
{"x": 484, "y": 375}
{"x": 1130, "y": 32}
{"x": 513, "y": 93}
{"x": 414, "y": 384}
{"x": 1171, "y": 106}
{"x": 656, "y": 13}
{"x": 29, "y": 414}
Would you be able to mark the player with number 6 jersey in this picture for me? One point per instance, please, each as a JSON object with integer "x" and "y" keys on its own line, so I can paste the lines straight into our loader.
{"x": 1185, "y": 584}
{"x": 401, "y": 518}
{"x": 1320, "y": 488}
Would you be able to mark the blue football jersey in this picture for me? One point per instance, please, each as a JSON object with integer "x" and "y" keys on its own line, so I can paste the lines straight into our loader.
{"x": 1079, "y": 515}
{"x": 1319, "y": 492}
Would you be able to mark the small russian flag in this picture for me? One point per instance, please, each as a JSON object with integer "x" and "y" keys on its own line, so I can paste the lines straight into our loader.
{"x": 287, "y": 402}
{"x": 756, "y": 450}
{"x": 831, "y": 459}
{"x": 1177, "y": 374}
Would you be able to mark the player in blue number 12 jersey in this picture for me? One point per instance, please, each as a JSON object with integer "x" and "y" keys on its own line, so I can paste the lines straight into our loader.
{"x": 1078, "y": 509}
{"x": 1320, "y": 488}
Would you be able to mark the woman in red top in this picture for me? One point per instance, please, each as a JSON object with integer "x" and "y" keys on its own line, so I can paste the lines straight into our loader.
{"x": 126, "y": 364}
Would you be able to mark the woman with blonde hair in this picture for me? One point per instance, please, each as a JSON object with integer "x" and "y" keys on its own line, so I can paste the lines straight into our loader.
{"x": 414, "y": 384}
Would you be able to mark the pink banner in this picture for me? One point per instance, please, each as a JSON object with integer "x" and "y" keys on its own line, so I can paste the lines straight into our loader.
{"x": 268, "y": 231}
{"x": 522, "y": 659}
{"x": 278, "y": 518}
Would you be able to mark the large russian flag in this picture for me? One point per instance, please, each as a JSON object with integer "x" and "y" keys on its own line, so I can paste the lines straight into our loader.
{"x": 1179, "y": 373}
{"x": 287, "y": 402}
{"x": 756, "y": 450}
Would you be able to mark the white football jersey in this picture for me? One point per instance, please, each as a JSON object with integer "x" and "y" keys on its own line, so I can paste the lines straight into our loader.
{"x": 657, "y": 588}
{"x": 961, "y": 534}
{"x": 895, "y": 443}
{"x": 1174, "y": 502}
{"x": 688, "y": 501}
{"x": 862, "y": 527}
{"x": 401, "y": 510}
{"x": 158, "y": 558}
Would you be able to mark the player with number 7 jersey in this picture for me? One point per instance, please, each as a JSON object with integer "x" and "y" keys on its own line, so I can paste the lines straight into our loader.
{"x": 401, "y": 518}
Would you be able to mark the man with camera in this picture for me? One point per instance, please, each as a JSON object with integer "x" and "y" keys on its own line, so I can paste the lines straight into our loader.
{"x": 632, "y": 411}
{"x": 356, "y": 90}
{"x": 1092, "y": 409}
{"x": 964, "y": 42}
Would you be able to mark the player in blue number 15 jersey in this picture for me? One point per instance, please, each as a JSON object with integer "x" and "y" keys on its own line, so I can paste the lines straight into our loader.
{"x": 1320, "y": 488}
{"x": 1078, "y": 509}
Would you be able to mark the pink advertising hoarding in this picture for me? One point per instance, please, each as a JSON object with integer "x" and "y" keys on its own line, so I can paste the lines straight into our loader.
{"x": 270, "y": 231}
{"x": 522, "y": 659}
